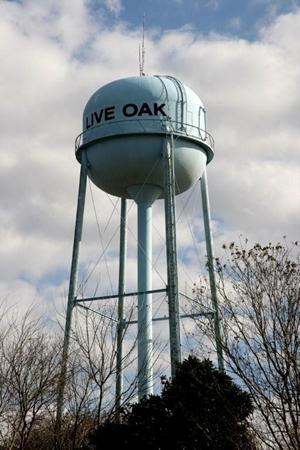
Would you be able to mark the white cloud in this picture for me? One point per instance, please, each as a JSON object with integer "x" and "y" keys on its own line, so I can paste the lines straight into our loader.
{"x": 55, "y": 56}
{"x": 213, "y": 4}
{"x": 235, "y": 24}
{"x": 115, "y": 6}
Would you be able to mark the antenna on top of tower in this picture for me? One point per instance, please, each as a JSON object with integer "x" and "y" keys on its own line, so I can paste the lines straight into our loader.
{"x": 142, "y": 51}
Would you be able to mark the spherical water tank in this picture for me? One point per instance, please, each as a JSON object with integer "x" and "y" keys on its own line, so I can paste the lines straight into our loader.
{"x": 125, "y": 124}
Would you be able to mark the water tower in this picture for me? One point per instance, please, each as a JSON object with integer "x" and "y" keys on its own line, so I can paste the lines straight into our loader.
{"x": 144, "y": 138}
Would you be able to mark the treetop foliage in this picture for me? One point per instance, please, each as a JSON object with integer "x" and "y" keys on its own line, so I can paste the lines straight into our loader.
{"x": 201, "y": 408}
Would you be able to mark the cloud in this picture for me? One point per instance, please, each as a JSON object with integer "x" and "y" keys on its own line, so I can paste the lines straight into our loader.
{"x": 235, "y": 24}
{"x": 54, "y": 57}
{"x": 115, "y": 6}
{"x": 213, "y": 4}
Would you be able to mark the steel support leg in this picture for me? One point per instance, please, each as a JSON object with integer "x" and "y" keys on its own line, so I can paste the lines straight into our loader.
{"x": 121, "y": 328}
{"x": 72, "y": 292}
{"x": 169, "y": 191}
{"x": 211, "y": 268}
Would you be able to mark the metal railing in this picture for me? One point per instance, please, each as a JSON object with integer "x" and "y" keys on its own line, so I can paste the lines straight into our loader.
{"x": 166, "y": 126}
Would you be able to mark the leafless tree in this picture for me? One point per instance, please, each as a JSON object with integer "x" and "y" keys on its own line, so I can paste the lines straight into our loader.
{"x": 29, "y": 368}
{"x": 95, "y": 342}
{"x": 90, "y": 387}
{"x": 259, "y": 292}
{"x": 4, "y": 370}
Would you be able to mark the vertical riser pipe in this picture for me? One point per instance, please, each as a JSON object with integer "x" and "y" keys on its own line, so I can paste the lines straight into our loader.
{"x": 145, "y": 360}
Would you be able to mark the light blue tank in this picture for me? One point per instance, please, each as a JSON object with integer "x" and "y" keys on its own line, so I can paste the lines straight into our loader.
{"x": 124, "y": 127}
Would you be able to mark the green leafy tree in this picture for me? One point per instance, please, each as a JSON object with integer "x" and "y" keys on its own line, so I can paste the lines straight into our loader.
{"x": 201, "y": 408}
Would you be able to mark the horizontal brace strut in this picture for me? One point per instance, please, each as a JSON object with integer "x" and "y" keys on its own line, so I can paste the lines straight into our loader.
{"x": 183, "y": 316}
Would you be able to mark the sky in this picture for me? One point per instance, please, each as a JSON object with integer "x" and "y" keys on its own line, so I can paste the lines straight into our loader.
{"x": 242, "y": 59}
